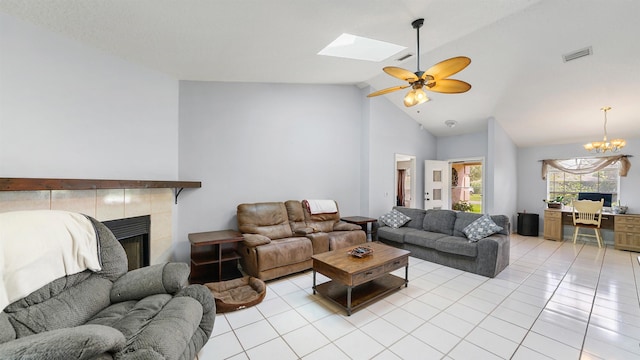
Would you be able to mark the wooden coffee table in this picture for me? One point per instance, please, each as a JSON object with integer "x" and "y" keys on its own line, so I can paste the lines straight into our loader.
{"x": 356, "y": 282}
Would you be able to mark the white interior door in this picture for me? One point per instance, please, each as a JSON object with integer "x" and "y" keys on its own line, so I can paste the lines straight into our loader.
{"x": 436, "y": 184}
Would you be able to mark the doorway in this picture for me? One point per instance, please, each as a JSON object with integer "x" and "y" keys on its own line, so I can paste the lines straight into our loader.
{"x": 467, "y": 185}
{"x": 405, "y": 180}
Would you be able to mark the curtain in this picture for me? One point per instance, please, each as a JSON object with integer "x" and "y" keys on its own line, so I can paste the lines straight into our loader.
{"x": 594, "y": 165}
{"x": 401, "y": 195}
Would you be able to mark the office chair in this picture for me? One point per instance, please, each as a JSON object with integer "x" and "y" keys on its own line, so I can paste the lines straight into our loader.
{"x": 587, "y": 214}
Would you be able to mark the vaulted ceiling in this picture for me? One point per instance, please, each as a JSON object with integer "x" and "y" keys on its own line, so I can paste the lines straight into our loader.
{"x": 516, "y": 46}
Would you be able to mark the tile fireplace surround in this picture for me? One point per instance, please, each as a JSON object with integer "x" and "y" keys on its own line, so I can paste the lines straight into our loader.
{"x": 106, "y": 204}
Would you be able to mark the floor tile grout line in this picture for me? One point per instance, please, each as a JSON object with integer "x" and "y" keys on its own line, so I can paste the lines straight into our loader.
{"x": 558, "y": 247}
{"x": 586, "y": 331}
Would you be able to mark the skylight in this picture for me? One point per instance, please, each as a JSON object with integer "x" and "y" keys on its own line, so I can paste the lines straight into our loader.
{"x": 360, "y": 48}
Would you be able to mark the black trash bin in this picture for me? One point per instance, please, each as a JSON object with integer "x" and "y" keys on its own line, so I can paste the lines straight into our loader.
{"x": 528, "y": 224}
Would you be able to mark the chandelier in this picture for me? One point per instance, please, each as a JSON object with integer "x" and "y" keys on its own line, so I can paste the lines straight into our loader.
{"x": 605, "y": 145}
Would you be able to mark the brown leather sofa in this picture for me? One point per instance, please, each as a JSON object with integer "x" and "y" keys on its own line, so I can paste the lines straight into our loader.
{"x": 280, "y": 238}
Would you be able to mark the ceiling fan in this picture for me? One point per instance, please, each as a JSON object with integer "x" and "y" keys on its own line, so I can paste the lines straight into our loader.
{"x": 434, "y": 79}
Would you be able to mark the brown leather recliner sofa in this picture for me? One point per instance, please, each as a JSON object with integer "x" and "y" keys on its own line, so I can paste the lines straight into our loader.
{"x": 280, "y": 238}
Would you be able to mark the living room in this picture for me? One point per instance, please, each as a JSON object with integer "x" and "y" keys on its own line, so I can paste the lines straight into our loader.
{"x": 71, "y": 110}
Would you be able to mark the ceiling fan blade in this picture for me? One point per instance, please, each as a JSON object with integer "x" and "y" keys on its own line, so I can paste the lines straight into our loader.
{"x": 446, "y": 68}
{"x": 449, "y": 86}
{"x": 400, "y": 73}
{"x": 388, "y": 90}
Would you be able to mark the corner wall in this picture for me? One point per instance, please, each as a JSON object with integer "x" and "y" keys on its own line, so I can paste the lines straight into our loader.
{"x": 392, "y": 132}
{"x": 502, "y": 160}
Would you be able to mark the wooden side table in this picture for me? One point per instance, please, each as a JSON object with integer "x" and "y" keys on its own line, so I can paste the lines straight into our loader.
{"x": 372, "y": 233}
{"x": 214, "y": 256}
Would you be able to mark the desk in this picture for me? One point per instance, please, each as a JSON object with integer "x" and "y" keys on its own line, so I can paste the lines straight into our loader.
{"x": 626, "y": 227}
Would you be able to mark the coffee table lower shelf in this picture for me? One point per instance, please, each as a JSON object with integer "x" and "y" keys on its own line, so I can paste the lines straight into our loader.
{"x": 361, "y": 295}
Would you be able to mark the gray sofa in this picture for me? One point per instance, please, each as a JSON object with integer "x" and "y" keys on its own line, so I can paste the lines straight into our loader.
{"x": 437, "y": 236}
{"x": 148, "y": 313}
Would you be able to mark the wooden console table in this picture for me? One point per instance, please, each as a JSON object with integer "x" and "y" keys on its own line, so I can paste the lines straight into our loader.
{"x": 626, "y": 227}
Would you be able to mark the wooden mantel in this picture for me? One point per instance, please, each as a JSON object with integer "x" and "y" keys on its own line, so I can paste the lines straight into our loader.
{"x": 30, "y": 184}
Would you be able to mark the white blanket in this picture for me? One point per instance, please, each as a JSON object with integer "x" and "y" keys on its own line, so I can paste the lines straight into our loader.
{"x": 39, "y": 246}
{"x": 321, "y": 206}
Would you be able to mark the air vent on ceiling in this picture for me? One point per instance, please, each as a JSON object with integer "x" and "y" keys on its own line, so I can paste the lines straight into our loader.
{"x": 577, "y": 54}
{"x": 403, "y": 58}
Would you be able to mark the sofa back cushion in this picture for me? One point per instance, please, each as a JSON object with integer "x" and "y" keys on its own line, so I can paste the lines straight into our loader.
{"x": 295, "y": 214}
{"x": 463, "y": 219}
{"x": 416, "y": 215}
{"x": 269, "y": 219}
{"x": 440, "y": 221}
{"x": 321, "y": 222}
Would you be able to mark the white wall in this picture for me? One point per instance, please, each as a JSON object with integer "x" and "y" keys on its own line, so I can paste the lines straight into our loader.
{"x": 462, "y": 146}
{"x": 70, "y": 111}
{"x": 502, "y": 165}
{"x": 391, "y": 131}
{"x": 532, "y": 189}
{"x": 266, "y": 142}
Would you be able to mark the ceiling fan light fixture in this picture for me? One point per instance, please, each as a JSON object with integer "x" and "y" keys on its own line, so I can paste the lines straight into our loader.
{"x": 415, "y": 96}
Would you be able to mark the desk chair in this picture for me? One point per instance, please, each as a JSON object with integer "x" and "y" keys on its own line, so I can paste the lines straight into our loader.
{"x": 587, "y": 214}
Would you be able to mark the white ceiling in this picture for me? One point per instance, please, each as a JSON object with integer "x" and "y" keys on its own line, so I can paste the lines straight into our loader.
{"x": 516, "y": 46}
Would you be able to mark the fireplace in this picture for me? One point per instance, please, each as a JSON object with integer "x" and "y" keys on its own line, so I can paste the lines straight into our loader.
{"x": 133, "y": 235}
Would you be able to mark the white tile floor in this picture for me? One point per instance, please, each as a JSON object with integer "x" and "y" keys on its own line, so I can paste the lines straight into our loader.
{"x": 555, "y": 301}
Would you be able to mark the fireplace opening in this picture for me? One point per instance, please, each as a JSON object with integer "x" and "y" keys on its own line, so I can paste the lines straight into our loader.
{"x": 133, "y": 235}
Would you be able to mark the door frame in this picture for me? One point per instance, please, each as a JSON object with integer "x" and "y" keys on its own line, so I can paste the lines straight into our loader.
{"x": 412, "y": 159}
{"x": 479, "y": 159}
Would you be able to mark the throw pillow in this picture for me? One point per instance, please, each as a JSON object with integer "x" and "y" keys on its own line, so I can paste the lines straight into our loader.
{"x": 394, "y": 219}
{"x": 481, "y": 228}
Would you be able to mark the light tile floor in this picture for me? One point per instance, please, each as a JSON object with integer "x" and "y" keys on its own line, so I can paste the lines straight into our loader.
{"x": 556, "y": 300}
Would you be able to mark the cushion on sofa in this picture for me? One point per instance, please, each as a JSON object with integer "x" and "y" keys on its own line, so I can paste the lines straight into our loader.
{"x": 456, "y": 245}
{"x": 395, "y": 235}
{"x": 463, "y": 219}
{"x": 481, "y": 228}
{"x": 284, "y": 252}
{"x": 440, "y": 221}
{"x": 394, "y": 219}
{"x": 423, "y": 238}
{"x": 416, "y": 215}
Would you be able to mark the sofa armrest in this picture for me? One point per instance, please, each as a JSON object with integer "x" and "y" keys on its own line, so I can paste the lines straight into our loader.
{"x": 345, "y": 226}
{"x": 493, "y": 254}
{"x": 137, "y": 284}
{"x": 204, "y": 296}
{"x": 253, "y": 240}
{"x": 80, "y": 342}
{"x": 319, "y": 241}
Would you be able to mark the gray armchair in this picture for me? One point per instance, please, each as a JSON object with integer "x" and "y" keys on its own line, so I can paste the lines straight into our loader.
{"x": 148, "y": 313}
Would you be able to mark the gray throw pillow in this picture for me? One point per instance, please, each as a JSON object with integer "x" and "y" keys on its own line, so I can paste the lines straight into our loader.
{"x": 394, "y": 219}
{"x": 481, "y": 228}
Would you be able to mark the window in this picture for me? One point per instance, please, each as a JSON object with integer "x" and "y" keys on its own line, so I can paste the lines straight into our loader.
{"x": 561, "y": 183}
